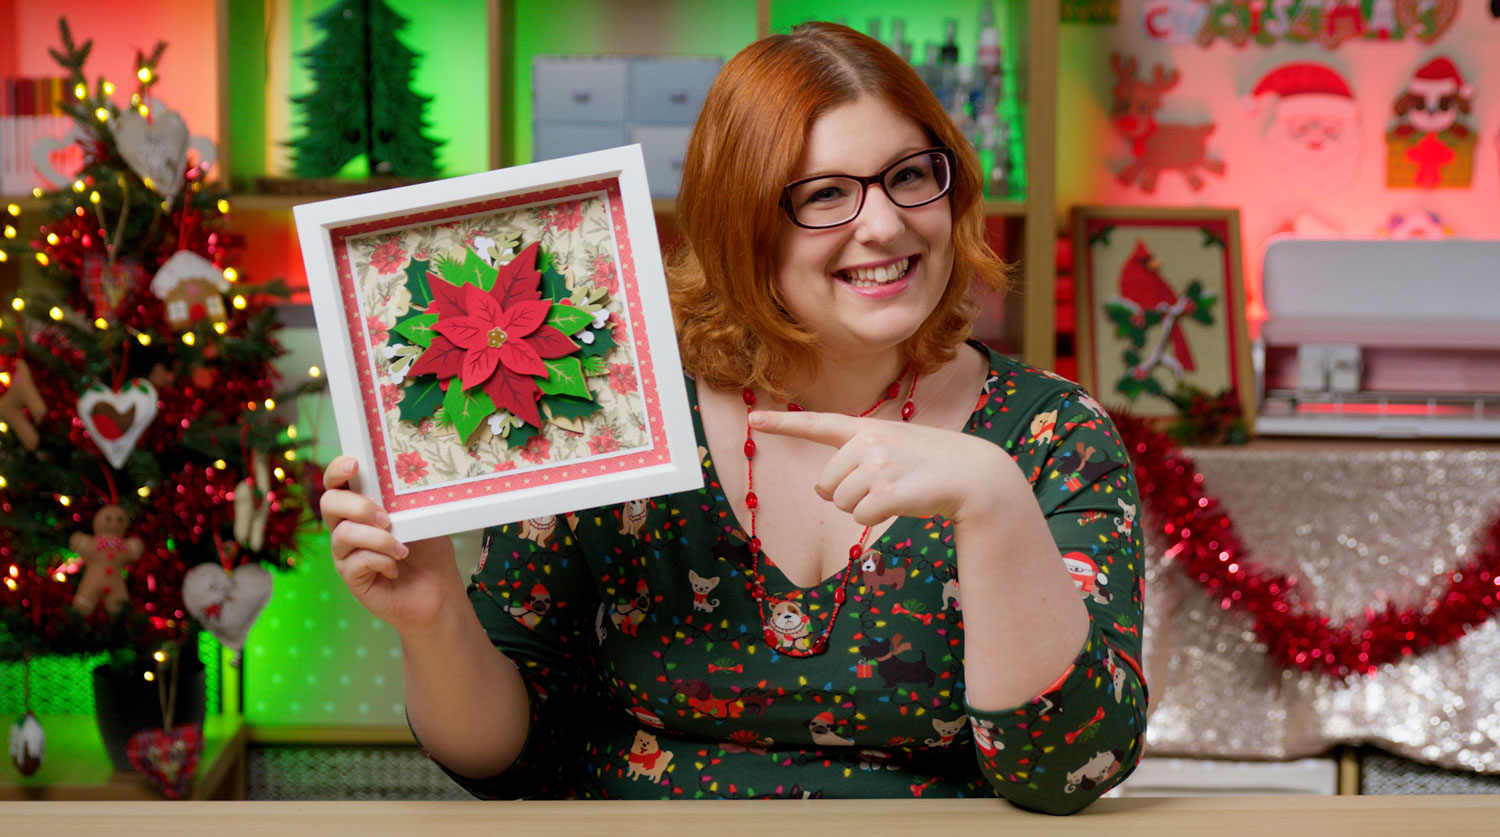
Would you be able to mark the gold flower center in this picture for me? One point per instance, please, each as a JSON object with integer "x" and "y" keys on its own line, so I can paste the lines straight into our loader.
{"x": 497, "y": 338}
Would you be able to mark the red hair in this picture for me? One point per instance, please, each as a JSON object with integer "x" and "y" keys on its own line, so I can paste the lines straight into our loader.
{"x": 732, "y": 328}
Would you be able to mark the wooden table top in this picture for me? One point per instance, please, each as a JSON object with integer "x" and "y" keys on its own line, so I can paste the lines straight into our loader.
{"x": 1217, "y": 816}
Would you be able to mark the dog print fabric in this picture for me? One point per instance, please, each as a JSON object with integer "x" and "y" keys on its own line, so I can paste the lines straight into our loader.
{"x": 651, "y": 677}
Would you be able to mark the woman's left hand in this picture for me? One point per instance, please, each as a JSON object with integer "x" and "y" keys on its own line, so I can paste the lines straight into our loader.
{"x": 885, "y": 469}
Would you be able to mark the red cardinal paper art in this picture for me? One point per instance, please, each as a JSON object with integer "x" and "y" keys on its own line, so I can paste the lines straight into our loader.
{"x": 1141, "y": 283}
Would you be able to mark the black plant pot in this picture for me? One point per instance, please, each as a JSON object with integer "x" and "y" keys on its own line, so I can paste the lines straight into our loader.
{"x": 126, "y": 703}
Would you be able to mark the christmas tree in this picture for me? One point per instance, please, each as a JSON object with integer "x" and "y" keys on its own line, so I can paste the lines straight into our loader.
{"x": 139, "y": 439}
{"x": 362, "y": 101}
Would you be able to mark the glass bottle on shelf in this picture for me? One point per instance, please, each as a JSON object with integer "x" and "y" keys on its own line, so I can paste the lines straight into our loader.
{"x": 990, "y": 140}
{"x": 948, "y": 64}
{"x": 929, "y": 69}
{"x": 899, "y": 43}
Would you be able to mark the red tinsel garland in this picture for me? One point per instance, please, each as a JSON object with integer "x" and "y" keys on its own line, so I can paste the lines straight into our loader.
{"x": 1201, "y": 539}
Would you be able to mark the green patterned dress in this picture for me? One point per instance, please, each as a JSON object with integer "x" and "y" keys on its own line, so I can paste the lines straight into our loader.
{"x": 651, "y": 677}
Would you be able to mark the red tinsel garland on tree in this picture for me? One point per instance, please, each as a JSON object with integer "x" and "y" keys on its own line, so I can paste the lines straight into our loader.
{"x": 1201, "y": 539}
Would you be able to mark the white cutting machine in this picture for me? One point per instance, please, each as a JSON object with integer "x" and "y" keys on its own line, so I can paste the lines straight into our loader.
{"x": 1375, "y": 337}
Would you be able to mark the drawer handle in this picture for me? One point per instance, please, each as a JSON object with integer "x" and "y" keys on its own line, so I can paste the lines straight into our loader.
{"x": 675, "y": 162}
{"x": 582, "y": 95}
{"x": 678, "y": 97}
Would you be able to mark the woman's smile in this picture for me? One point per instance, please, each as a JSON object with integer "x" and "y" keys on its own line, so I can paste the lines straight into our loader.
{"x": 880, "y": 281}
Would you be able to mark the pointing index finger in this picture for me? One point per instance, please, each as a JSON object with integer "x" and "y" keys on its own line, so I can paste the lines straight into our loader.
{"x": 833, "y": 429}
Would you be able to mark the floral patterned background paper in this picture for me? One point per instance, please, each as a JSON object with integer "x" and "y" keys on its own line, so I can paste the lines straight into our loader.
{"x": 577, "y": 233}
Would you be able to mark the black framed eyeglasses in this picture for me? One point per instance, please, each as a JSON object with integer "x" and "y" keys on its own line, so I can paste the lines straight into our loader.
{"x": 830, "y": 200}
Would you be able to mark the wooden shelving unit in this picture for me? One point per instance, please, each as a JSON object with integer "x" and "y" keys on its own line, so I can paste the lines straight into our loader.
{"x": 1028, "y": 224}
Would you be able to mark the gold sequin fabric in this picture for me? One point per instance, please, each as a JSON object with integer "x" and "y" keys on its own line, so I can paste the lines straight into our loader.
{"x": 1359, "y": 525}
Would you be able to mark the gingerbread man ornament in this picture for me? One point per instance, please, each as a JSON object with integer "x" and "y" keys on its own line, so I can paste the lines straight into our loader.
{"x": 105, "y": 554}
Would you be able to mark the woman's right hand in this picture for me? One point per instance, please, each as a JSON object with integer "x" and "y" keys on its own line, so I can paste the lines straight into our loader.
{"x": 409, "y": 586}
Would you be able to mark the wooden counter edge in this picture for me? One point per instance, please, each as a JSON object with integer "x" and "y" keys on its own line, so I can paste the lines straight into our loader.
{"x": 1137, "y": 815}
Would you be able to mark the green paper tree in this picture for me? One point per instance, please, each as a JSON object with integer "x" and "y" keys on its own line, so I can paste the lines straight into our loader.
{"x": 362, "y": 100}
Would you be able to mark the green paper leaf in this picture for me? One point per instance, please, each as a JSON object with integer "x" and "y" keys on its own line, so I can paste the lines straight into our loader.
{"x": 467, "y": 410}
{"x": 471, "y": 271}
{"x": 417, "y": 328}
{"x": 601, "y": 346}
{"x": 554, "y": 285}
{"x": 564, "y": 377}
{"x": 519, "y": 436}
{"x": 416, "y": 283}
{"x": 568, "y": 319}
{"x": 595, "y": 366}
{"x": 561, "y": 406}
{"x": 420, "y": 399}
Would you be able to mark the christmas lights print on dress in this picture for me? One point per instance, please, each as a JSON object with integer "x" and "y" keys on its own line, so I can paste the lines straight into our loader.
{"x": 659, "y": 650}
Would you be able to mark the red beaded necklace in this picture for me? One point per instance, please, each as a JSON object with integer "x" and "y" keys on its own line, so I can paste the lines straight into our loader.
{"x": 793, "y": 646}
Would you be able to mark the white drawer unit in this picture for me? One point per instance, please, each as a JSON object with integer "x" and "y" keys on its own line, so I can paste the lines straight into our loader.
{"x": 663, "y": 147}
{"x": 669, "y": 91}
{"x": 582, "y": 103}
{"x": 578, "y": 89}
{"x": 551, "y": 140}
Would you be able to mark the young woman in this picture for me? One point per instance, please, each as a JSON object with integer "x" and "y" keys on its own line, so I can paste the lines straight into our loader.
{"x": 913, "y": 569}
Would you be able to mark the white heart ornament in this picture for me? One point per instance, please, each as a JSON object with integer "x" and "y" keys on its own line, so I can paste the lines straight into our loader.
{"x": 41, "y": 156}
{"x": 227, "y": 603}
{"x": 116, "y": 420}
{"x": 156, "y": 147}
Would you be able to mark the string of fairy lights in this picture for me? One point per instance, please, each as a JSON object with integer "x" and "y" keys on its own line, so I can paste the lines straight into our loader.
{"x": 183, "y": 494}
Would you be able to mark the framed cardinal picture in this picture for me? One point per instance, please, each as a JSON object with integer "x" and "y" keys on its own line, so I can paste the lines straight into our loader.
{"x": 500, "y": 346}
{"x": 1161, "y": 310}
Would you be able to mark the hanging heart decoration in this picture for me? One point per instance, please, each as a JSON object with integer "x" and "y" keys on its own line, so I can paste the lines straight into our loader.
{"x": 168, "y": 759}
{"x": 44, "y": 151}
{"x": 116, "y": 420}
{"x": 227, "y": 603}
{"x": 107, "y": 284}
{"x": 155, "y": 146}
{"x": 28, "y": 744}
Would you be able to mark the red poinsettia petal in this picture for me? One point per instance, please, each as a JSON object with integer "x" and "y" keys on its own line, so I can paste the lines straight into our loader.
{"x": 522, "y": 359}
{"x": 471, "y": 333}
{"x": 442, "y": 359}
{"x": 446, "y": 298}
{"x": 481, "y": 305}
{"x": 479, "y": 365}
{"x": 549, "y": 342}
{"x": 518, "y": 280}
{"x": 522, "y": 318}
{"x": 516, "y": 394}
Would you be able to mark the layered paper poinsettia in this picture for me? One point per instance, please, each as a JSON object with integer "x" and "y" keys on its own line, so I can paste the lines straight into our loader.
{"x": 496, "y": 342}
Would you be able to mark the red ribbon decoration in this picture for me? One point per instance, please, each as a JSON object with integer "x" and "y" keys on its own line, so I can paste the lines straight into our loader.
{"x": 1200, "y": 538}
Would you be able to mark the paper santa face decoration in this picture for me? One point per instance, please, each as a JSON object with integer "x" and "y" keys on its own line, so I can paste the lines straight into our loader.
{"x": 1313, "y": 140}
{"x": 192, "y": 288}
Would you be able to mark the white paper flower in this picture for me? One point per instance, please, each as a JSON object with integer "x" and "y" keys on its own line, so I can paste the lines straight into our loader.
{"x": 485, "y": 247}
{"x": 501, "y": 422}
